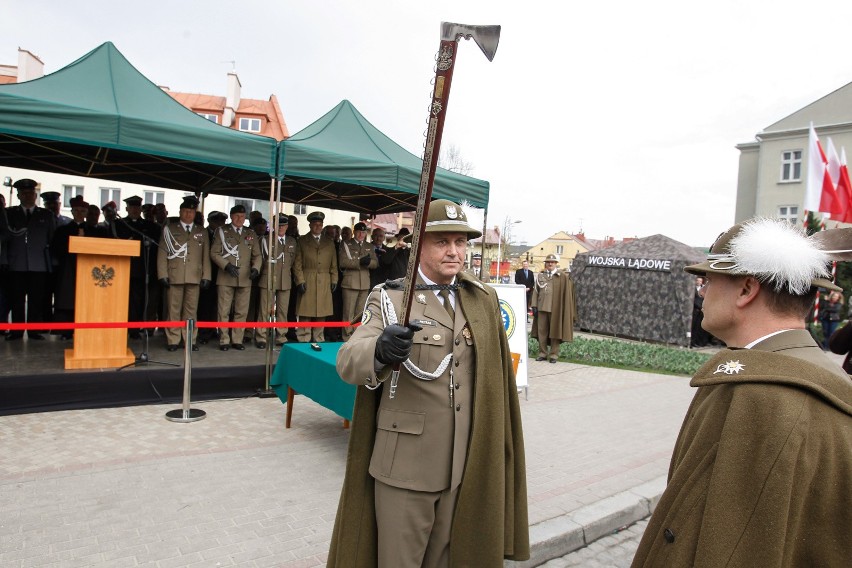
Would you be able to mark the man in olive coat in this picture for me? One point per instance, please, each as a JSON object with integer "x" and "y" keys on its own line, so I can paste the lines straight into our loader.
{"x": 236, "y": 251}
{"x": 435, "y": 472}
{"x": 283, "y": 257}
{"x": 477, "y": 270}
{"x": 761, "y": 473}
{"x": 356, "y": 259}
{"x": 183, "y": 268}
{"x": 315, "y": 272}
{"x": 554, "y": 309}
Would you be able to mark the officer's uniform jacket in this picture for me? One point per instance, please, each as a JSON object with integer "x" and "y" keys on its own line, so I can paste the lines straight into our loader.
{"x": 355, "y": 276}
{"x": 761, "y": 472}
{"x": 482, "y": 274}
{"x": 421, "y": 437}
{"x": 542, "y": 298}
{"x": 183, "y": 257}
{"x": 133, "y": 229}
{"x": 240, "y": 249}
{"x": 316, "y": 267}
{"x": 27, "y": 245}
{"x": 284, "y": 256}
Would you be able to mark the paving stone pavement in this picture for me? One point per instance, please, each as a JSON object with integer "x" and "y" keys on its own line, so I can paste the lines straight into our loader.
{"x": 613, "y": 551}
{"x": 125, "y": 487}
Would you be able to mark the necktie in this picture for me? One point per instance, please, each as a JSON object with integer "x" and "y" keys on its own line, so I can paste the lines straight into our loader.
{"x": 445, "y": 294}
{"x": 281, "y": 240}
{"x": 29, "y": 215}
{"x": 188, "y": 228}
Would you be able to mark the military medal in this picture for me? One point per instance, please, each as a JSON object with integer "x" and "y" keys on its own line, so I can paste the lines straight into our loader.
{"x": 466, "y": 332}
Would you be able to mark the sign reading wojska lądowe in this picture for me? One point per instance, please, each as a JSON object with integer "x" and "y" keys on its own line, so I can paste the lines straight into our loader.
{"x": 631, "y": 263}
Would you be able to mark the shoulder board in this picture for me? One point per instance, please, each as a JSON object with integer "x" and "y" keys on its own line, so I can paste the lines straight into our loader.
{"x": 392, "y": 284}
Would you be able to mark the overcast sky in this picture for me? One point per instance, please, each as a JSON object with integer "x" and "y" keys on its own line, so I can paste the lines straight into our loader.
{"x": 617, "y": 118}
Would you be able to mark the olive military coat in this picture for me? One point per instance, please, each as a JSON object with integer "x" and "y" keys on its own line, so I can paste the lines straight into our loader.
{"x": 316, "y": 268}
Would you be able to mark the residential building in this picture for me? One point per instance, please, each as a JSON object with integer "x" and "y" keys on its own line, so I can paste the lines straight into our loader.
{"x": 773, "y": 168}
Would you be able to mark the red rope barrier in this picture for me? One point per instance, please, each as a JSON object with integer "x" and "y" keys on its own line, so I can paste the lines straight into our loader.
{"x": 41, "y": 326}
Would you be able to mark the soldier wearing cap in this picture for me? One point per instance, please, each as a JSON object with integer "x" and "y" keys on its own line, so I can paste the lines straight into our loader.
{"x": 395, "y": 260}
{"x": 283, "y": 256}
{"x": 26, "y": 231}
{"x": 315, "y": 276}
{"x": 356, "y": 258}
{"x": 477, "y": 270}
{"x": 554, "y": 309}
{"x": 760, "y": 474}
{"x": 418, "y": 462}
{"x": 66, "y": 262}
{"x": 52, "y": 204}
{"x": 183, "y": 268}
{"x": 208, "y": 298}
{"x": 236, "y": 251}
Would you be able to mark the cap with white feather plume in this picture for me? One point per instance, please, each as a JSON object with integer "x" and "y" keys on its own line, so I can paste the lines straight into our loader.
{"x": 777, "y": 253}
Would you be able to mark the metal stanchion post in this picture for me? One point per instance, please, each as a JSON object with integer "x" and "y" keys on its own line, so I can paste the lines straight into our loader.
{"x": 187, "y": 414}
{"x": 266, "y": 391}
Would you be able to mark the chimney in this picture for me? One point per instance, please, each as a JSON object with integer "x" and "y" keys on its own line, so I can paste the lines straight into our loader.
{"x": 29, "y": 66}
{"x": 232, "y": 99}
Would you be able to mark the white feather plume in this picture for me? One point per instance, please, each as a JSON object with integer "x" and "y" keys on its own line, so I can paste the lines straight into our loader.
{"x": 779, "y": 253}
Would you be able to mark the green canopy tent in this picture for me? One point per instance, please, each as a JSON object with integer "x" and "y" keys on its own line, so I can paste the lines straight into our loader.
{"x": 100, "y": 117}
{"x": 343, "y": 161}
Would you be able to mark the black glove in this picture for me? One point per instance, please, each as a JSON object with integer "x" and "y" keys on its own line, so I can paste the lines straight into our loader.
{"x": 165, "y": 282}
{"x": 232, "y": 270}
{"x": 534, "y": 310}
{"x": 205, "y": 284}
{"x": 333, "y": 288}
{"x": 253, "y": 274}
{"x": 394, "y": 344}
{"x": 303, "y": 288}
{"x": 365, "y": 260}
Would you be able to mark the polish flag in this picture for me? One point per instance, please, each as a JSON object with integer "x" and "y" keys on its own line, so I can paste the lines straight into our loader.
{"x": 844, "y": 187}
{"x": 819, "y": 191}
{"x": 840, "y": 205}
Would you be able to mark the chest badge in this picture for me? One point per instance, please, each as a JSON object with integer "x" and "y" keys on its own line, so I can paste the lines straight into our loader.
{"x": 466, "y": 332}
{"x": 729, "y": 368}
{"x": 436, "y": 337}
{"x": 421, "y": 298}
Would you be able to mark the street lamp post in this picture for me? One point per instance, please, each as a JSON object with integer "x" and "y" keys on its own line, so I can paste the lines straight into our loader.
{"x": 506, "y": 229}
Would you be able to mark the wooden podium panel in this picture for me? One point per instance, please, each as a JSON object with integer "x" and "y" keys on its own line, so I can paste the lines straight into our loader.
{"x": 103, "y": 289}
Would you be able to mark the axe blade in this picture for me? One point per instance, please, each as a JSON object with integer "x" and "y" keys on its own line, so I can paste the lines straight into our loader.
{"x": 486, "y": 37}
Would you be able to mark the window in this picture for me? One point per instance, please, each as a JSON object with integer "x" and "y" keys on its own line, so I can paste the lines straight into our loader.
{"x": 70, "y": 191}
{"x": 249, "y": 204}
{"x": 214, "y": 118}
{"x": 154, "y": 197}
{"x": 110, "y": 194}
{"x": 789, "y": 213}
{"x": 300, "y": 209}
{"x": 250, "y": 124}
{"x": 558, "y": 249}
{"x": 791, "y": 165}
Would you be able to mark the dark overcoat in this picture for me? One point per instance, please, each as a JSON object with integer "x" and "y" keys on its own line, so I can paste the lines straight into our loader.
{"x": 761, "y": 473}
{"x": 490, "y": 521}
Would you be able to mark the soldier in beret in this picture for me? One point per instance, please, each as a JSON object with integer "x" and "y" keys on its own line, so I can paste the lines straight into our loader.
{"x": 26, "y": 232}
{"x": 315, "y": 272}
{"x": 183, "y": 268}
{"x": 283, "y": 256}
{"x": 236, "y": 251}
{"x": 761, "y": 473}
{"x": 435, "y": 473}
{"x": 356, "y": 258}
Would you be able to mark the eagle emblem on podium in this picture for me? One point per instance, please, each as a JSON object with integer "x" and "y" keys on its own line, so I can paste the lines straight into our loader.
{"x": 103, "y": 275}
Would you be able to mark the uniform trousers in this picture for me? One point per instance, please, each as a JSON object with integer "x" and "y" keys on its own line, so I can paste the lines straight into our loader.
{"x": 239, "y": 297}
{"x": 282, "y": 301}
{"x": 27, "y": 291}
{"x": 545, "y": 346}
{"x": 353, "y": 305}
{"x": 315, "y": 334}
{"x": 414, "y": 526}
{"x": 182, "y": 305}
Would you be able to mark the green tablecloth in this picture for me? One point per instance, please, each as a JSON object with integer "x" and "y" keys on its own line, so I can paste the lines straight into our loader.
{"x": 313, "y": 374}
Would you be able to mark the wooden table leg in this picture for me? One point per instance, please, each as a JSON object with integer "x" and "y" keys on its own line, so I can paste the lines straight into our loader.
{"x": 291, "y": 394}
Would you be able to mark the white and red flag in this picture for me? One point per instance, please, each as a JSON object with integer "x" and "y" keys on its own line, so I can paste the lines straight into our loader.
{"x": 820, "y": 194}
{"x": 844, "y": 186}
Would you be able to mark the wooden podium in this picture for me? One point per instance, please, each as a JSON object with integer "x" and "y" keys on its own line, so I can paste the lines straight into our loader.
{"x": 103, "y": 289}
